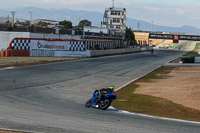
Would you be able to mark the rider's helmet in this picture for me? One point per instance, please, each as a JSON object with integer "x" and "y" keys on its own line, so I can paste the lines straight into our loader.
{"x": 112, "y": 88}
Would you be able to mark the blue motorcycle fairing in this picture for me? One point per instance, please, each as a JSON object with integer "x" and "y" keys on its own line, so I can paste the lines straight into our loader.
{"x": 95, "y": 95}
{"x": 110, "y": 96}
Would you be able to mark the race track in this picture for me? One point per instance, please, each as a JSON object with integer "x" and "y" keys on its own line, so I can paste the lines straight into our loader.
{"x": 50, "y": 98}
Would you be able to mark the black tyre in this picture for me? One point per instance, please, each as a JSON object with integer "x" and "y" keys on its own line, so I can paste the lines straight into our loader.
{"x": 106, "y": 103}
{"x": 88, "y": 103}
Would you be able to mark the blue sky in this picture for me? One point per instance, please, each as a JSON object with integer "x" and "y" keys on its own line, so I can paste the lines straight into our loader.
{"x": 174, "y": 13}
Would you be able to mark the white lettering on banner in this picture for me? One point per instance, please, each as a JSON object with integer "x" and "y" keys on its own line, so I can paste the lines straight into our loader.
{"x": 50, "y": 46}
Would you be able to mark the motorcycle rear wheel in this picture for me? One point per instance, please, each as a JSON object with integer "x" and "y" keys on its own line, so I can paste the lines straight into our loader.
{"x": 106, "y": 103}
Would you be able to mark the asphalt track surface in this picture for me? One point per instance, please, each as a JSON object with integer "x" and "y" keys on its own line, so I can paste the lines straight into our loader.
{"x": 50, "y": 98}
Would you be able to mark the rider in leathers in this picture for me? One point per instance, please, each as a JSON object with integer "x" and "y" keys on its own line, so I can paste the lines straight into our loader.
{"x": 102, "y": 92}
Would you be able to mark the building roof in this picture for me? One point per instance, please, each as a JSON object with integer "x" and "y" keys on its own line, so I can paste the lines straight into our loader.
{"x": 47, "y": 20}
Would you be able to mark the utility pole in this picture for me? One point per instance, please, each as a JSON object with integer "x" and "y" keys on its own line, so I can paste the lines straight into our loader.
{"x": 151, "y": 26}
{"x": 13, "y": 17}
{"x": 8, "y": 19}
{"x": 31, "y": 13}
{"x": 138, "y": 25}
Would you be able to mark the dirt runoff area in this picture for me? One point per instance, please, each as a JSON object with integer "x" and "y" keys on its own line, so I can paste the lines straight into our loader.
{"x": 182, "y": 86}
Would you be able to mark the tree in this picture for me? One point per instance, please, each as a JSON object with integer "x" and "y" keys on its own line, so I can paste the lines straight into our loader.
{"x": 130, "y": 36}
{"x": 41, "y": 24}
{"x": 84, "y": 23}
{"x": 66, "y": 24}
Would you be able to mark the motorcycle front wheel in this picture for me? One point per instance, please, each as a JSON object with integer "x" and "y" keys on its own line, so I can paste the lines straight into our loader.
{"x": 105, "y": 104}
{"x": 88, "y": 103}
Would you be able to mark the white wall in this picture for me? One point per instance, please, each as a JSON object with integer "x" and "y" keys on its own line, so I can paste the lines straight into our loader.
{"x": 73, "y": 53}
{"x": 53, "y": 53}
{"x": 6, "y": 38}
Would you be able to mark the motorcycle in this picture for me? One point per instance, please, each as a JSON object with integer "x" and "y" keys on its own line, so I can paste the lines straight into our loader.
{"x": 103, "y": 103}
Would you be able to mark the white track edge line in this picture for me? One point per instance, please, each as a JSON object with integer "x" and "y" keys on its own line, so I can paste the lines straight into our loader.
{"x": 14, "y": 130}
{"x": 155, "y": 117}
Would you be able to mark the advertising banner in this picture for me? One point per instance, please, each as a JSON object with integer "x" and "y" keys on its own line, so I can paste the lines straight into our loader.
{"x": 161, "y": 36}
{"x": 176, "y": 37}
{"x": 50, "y": 45}
{"x": 189, "y": 37}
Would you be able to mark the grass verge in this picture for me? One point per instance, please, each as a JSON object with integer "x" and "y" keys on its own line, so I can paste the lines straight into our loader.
{"x": 175, "y": 45}
{"x": 128, "y": 100}
{"x": 194, "y": 53}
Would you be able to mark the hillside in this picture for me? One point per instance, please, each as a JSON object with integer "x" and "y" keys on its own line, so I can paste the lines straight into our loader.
{"x": 95, "y": 17}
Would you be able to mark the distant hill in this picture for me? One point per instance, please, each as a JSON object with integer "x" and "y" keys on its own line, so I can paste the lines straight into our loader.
{"x": 94, "y": 17}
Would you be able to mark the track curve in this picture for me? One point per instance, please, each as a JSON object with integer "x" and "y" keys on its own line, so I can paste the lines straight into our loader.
{"x": 50, "y": 98}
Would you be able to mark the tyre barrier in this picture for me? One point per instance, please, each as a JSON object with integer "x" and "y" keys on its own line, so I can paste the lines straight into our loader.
{"x": 188, "y": 59}
{"x": 13, "y": 52}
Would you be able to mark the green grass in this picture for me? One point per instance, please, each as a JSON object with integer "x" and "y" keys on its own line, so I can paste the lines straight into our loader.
{"x": 128, "y": 100}
{"x": 175, "y": 45}
{"x": 160, "y": 73}
{"x": 194, "y": 53}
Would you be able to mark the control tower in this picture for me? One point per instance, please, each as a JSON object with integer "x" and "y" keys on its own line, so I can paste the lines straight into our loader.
{"x": 115, "y": 19}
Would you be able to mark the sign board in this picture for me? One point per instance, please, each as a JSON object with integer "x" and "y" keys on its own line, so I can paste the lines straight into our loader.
{"x": 176, "y": 37}
{"x": 50, "y": 45}
{"x": 189, "y": 37}
{"x": 161, "y": 36}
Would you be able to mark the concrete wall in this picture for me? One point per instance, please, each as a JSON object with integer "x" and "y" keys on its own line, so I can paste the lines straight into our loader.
{"x": 115, "y": 51}
{"x": 6, "y": 38}
{"x": 54, "y": 53}
{"x": 73, "y": 53}
{"x": 87, "y": 53}
{"x": 197, "y": 59}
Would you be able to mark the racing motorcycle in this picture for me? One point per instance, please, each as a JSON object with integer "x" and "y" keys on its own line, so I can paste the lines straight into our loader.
{"x": 103, "y": 103}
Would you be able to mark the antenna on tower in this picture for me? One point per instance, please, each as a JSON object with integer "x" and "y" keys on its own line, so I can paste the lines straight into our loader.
{"x": 138, "y": 25}
{"x": 13, "y": 17}
{"x": 113, "y": 3}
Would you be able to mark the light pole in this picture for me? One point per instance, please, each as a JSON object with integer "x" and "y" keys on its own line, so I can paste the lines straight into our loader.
{"x": 31, "y": 13}
{"x": 13, "y": 17}
{"x": 113, "y": 3}
{"x": 151, "y": 26}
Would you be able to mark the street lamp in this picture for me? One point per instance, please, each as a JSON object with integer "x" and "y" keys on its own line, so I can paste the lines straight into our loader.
{"x": 151, "y": 26}
{"x": 30, "y": 17}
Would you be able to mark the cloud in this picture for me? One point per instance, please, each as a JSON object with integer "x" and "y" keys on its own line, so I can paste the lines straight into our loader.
{"x": 152, "y": 8}
{"x": 180, "y": 11}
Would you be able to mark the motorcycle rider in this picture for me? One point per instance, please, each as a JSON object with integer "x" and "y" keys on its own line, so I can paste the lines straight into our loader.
{"x": 102, "y": 92}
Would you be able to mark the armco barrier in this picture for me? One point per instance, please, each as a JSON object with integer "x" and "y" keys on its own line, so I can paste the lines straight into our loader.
{"x": 188, "y": 59}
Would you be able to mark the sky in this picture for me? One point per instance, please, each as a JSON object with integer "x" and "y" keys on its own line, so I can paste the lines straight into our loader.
{"x": 175, "y": 13}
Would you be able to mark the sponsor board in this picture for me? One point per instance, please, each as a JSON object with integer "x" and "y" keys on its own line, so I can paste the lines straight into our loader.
{"x": 189, "y": 37}
{"x": 176, "y": 37}
{"x": 161, "y": 36}
{"x": 50, "y": 45}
